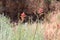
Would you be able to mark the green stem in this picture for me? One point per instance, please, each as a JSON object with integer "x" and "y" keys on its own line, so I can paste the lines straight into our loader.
{"x": 35, "y": 31}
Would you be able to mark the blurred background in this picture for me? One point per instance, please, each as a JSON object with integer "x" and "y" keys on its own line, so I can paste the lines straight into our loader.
{"x": 29, "y": 19}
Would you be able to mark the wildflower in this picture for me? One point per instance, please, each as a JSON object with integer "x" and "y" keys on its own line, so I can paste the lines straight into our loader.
{"x": 23, "y": 15}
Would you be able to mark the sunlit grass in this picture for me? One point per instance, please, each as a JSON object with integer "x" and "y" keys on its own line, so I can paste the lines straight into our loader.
{"x": 46, "y": 30}
{"x": 6, "y": 32}
{"x": 19, "y": 32}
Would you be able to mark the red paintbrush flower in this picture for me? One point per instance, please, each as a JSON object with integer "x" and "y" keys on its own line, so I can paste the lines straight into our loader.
{"x": 23, "y": 15}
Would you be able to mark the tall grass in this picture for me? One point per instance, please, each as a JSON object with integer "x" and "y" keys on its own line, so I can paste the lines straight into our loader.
{"x": 6, "y": 32}
{"x": 46, "y": 30}
{"x": 20, "y": 31}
